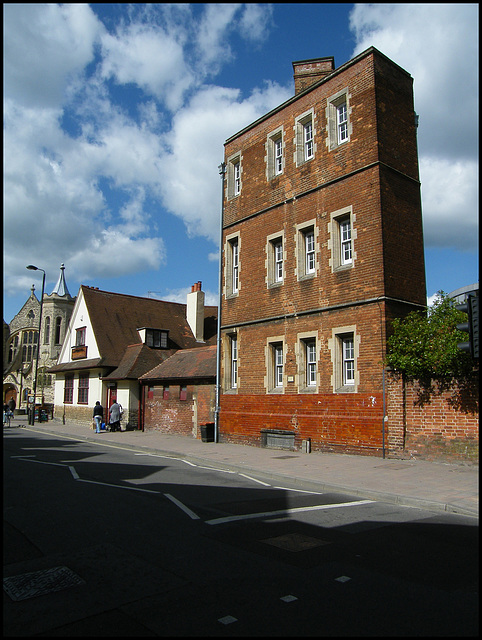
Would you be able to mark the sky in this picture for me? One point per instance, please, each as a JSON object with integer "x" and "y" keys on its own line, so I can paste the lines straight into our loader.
{"x": 115, "y": 117}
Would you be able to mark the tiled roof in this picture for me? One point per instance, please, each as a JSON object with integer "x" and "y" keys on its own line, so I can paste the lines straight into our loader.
{"x": 186, "y": 364}
{"x": 137, "y": 359}
{"x": 115, "y": 318}
{"x": 75, "y": 365}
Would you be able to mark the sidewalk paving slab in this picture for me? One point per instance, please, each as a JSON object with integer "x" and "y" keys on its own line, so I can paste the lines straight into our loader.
{"x": 436, "y": 486}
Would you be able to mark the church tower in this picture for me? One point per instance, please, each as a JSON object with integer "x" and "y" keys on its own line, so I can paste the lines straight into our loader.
{"x": 57, "y": 310}
{"x": 22, "y": 341}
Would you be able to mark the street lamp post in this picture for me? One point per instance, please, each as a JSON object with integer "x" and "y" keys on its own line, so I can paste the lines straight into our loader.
{"x": 31, "y": 267}
{"x": 222, "y": 171}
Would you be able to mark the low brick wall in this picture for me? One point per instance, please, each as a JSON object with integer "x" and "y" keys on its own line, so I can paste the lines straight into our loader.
{"x": 343, "y": 423}
{"x": 433, "y": 421}
{"x": 180, "y": 414}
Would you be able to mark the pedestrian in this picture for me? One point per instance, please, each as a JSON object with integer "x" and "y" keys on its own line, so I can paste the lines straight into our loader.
{"x": 98, "y": 415}
{"x": 12, "y": 404}
{"x": 115, "y": 413}
{"x": 6, "y": 412}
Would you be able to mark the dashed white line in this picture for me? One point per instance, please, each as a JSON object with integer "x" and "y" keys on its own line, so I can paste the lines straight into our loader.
{"x": 227, "y": 620}
{"x": 118, "y": 486}
{"x": 255, "y": 480}
{"x": 314, "y": 493}
{"x": 283, "y": 512}
{"x": 53, "y": 464}
{"x": 183, "y": 507}
{"x": 74, "y": 473}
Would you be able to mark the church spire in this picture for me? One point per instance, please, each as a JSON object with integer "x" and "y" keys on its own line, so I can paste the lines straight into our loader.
{"x": 61, "y": 287}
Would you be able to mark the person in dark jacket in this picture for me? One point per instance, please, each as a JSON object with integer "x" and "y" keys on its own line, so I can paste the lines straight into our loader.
{"x": 98, "y": 415}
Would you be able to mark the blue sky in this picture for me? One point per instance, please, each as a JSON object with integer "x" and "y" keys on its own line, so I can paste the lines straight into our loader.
{"x": 116, "y": 114}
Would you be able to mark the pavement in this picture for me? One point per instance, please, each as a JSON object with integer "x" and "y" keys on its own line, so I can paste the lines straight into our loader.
{"x": 436, "y": 486}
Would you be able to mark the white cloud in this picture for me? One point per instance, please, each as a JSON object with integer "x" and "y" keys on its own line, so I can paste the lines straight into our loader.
{"x": 191, "y": 187}
{"x": 211, "y": 43}
{"x": 438, "y": 45}
{"x": 150, "y": 58}
{"x": 432, "y": 299}
{"x": 88, "y": 179}
{"x": 450, "y": 206}
{"x": 219, "y": 21}
{"x": 45, "y": 45}
{"x": 255, "y": 21}
{"x": 113, "y": 254}
{"x": 211, "y": 299}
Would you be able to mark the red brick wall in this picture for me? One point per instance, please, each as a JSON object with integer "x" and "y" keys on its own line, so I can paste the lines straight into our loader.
{"x": 252, "y": 343}
{"x": 257, "y": 193}
{"x": 181, "y": 417}
{"x": 440, "y": 424}
{"x": 347, "y": 423}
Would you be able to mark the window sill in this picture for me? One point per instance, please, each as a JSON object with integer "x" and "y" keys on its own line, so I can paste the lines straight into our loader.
{"x": 337, "y": 145}
{"x": 343, "y": 267}
{"x": 348, "y": 388}
{"x": 306, "y": 276}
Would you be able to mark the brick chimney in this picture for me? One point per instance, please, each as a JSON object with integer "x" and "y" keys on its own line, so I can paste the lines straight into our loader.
{"x": 307, "y": 72}
{"x": 195, "y": 311}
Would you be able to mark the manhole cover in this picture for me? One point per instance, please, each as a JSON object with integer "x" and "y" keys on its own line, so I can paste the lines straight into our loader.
{"x": 38, "y": 583}
{"x": 295, "y": 542}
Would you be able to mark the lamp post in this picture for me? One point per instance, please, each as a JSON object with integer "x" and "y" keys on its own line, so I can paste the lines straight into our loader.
{"x": 31, "y": 267}
{"x": 222, "y": 171}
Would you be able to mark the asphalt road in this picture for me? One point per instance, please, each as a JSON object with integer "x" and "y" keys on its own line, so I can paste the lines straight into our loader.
{"x": 100, "y": 541}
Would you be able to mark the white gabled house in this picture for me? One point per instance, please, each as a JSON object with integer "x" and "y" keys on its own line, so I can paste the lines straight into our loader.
{"x": 113, "y": 339}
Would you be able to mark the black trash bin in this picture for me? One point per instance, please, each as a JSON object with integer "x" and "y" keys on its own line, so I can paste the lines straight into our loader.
{"x": 207, "y": 432}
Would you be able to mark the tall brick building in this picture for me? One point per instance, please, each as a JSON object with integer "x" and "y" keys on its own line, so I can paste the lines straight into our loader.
{"x": 322, "y": 247}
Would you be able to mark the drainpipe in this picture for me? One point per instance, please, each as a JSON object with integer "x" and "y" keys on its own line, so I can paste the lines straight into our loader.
{"x": 384, "y": 416}
{"x": 222, "y": 171}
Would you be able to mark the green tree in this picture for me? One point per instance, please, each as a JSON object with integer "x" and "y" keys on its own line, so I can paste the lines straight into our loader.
{"x": 424, "y": 344}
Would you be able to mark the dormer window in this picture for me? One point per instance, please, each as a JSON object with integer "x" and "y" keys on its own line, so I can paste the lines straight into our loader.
{"x": 156, "y": 338}
{"x": 80, "y": 337}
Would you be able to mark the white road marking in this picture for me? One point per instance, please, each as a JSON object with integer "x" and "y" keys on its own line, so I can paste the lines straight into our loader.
{"x": 191, "y": 464}
{"x": 181, "y": 506}
{"x": 289, "y": 598}
{"x": 255, "y": 480}
{"x": 314, "y": 493}
{"x": 214, "y": 469}
{"x": 53, "y": 464}
{"x": 283, "y": 512}
{"x": 30, "y": 455}
{"x": 74, "y": 473}
{"x": 118, "y": 486}
{"x": 76, "y": 476}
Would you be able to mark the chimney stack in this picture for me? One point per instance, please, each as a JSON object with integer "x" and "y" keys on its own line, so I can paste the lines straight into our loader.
{"x": 307, "y": 72}
{"x": 195, "y": 311}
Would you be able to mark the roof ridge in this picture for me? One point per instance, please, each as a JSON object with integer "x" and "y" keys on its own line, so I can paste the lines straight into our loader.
{"x": 130, "y": 295}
